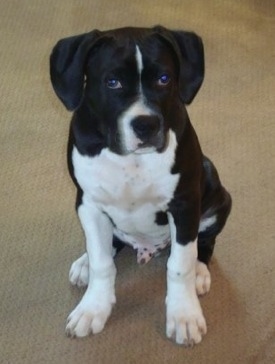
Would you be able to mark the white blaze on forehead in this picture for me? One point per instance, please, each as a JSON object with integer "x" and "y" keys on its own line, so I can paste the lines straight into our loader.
{"x": 139, "y": 60}
{"x": 129, "y": 139}
{"x": 139, "y": 66}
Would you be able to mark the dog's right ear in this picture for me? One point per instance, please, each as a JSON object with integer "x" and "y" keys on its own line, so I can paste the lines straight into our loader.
{"x": 67, "y": 65}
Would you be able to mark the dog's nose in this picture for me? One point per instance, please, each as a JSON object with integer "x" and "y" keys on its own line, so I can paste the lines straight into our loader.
{"x": 146, "y": 126}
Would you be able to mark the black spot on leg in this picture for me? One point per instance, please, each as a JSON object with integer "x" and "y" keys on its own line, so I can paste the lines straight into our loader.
{"x": 161, "y": 218}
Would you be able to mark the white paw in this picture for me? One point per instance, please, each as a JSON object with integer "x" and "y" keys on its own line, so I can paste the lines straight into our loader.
{"x": 79, "y": 272}
{"x": 203, "y": 278}
{"x": 89, "y": 316}
{"x": 185, "y": 322}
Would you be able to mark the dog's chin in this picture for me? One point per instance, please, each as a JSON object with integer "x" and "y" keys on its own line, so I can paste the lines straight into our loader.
{"x": 141, "y": 147}
{"x": 145, "y": 150}
{"x": 148, "y": 149}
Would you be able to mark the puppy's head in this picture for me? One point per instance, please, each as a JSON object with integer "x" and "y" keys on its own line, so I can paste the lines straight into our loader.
{"x": 133, "y": 81}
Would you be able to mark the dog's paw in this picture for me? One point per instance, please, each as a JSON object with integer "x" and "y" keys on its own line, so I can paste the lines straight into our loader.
{"x": 185, "y": 323}
{"x": 79, "y": 272}
{"x": 89, "y": 317}
{"x": 203, "y": 279}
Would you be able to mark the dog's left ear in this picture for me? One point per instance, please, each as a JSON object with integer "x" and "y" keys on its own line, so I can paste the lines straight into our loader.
{"x": 191, "y": 64}
{"x": 188, "y": 48}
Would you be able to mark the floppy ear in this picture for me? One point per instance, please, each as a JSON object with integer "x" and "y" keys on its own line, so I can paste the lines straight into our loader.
{"x": 191, "y": 64}
{"x": 67, "y": 65}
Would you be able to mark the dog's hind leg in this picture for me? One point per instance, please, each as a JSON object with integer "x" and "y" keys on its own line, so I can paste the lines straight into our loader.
{"x": 216, "y": 206}
{"x": 209, "y": 228}
{"x": 205, "y": 251}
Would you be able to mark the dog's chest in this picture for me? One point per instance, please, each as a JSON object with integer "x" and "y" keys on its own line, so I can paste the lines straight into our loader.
{"x": 130, "y": 189}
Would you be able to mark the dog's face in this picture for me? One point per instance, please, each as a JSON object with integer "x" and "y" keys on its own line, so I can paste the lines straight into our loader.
{"x": 130, "y": 85}
{"x": 132, "y": 80}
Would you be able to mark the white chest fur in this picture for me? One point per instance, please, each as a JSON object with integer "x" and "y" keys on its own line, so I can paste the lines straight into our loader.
{"x": 130, "y": 189}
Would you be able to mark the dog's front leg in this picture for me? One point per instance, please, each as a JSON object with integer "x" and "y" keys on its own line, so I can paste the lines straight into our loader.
{"x": 185, "y": 321}
{"x": 92, "y": 312}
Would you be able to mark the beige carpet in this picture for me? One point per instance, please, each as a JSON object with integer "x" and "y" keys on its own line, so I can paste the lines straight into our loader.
{"x": 234, "y": 115}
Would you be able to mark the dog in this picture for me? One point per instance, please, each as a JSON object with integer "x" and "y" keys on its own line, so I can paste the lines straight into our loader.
{"x": 140, "y": 174}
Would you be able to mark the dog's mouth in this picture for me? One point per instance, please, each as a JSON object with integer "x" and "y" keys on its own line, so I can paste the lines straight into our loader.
{"x": 146, "y": 148}
{"x": 157, "y": 144}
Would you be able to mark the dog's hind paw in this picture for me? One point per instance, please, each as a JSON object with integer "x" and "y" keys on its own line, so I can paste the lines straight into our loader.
{"x": 203, "y": 279}
{"x": 79, "y": 272}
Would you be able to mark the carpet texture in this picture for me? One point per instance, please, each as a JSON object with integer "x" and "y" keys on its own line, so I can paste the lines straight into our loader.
{"x": 40, "y": 235}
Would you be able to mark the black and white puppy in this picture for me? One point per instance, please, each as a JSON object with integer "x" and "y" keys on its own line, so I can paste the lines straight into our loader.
{"x": 137, "y": 164}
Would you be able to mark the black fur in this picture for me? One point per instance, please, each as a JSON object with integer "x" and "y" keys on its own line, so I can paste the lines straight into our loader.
{"x": 77, "y": 63}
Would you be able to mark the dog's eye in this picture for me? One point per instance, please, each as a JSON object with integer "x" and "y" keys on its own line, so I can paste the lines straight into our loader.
{"x": 113, "y": 83}
{"x": 163, "y": 80}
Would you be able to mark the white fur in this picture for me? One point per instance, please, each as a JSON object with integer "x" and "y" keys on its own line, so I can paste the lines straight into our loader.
{"x": 203, "y": 278}
{"x": 79, "y": 272}
{"x": 139, "y": 66}
{"x": 130, "y": 190}
{"x": 205, "y": 223}
{"x": 185, "y": 320}
{"x": 92, "y": 312}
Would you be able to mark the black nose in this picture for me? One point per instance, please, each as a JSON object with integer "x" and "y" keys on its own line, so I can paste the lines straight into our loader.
{"x": 146, "y": 126}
